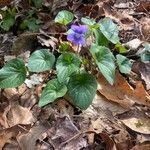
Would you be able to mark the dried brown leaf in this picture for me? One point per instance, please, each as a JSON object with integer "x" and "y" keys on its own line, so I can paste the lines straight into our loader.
{"x": 8, "y": 133}
{"x": 64, "y": 135}
{"x": 28, "y": 141}
{"x": 137, "y": 120}
{"x": 19, "y": 115}
{"x": 141, "y": 147}
{"x": 145, "y": 28}
{"x": 121, "y": 92}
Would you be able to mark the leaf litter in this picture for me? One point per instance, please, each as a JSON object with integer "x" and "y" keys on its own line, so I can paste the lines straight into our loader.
{"x": 119, "y": 117}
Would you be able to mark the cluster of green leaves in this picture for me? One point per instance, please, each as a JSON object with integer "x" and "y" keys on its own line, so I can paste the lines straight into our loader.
{"x": 8, "y": 19}
{"x": 106, "y": 32}
{"x": 71, "y": 80}
{"x": 29, "y": 22}
{"x": 78, "y": 85}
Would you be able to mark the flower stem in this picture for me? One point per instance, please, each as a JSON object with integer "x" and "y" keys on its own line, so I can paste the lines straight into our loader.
{"x": 78, "y": 49}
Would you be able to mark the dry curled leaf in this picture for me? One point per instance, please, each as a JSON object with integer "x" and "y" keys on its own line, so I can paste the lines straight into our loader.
{"x": 64, "y": 135}
{"x": 7, "y": 134}
{"x": 19, "y": 115}
{"x": 141, "y": 125}
{"x": 121, "y": 92}
{"x": 141, "y": 147}
{"x": 137, "y": 120}
{"x": 145, "y": 28}
{"x": 28, "y": 141}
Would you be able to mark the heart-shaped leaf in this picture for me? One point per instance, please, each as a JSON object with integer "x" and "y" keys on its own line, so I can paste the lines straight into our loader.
{"x": 100, "y": 39}
{"x": 12, "y": 74}
{"x": 124, "y": 64}
{"x": 8, "y": 22}
{"x": 64, "y": 17}
{"x": 105, "y": 61}
{"x": 109, "y": 29}
{"x": 145, "y": 55}
{"x": 66, "y": 64}
{"x": 51, "y": 92}
{"x": 82, "y": 89}
{"x": 41, "y": 60}
{"x": 90, "y": 22}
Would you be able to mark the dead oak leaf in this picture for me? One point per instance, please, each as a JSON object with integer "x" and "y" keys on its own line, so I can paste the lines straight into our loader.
{"x": 137, "y": 119}
{"x": 122, "y": 93}
{"x": 7, "y": 134}
{"x": 28, "y": 141}
{"x": 19, "y": 115}
{"x": 141, "y": 147}
{"x": 141, "y": 125}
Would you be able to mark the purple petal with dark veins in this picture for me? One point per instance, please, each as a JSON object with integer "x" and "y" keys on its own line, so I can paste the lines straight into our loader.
{"x": 77, "y": 39}
{"x": 81, "y": 29}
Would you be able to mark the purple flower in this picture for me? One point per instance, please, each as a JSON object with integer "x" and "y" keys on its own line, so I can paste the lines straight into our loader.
{"x": 77, "y": 34}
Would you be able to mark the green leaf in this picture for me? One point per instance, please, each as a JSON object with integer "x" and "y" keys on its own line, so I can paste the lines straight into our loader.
{"x": 64, "y": 46}
{"x": 67, "y": 64}
{"x": 147, "y": 46}
{"x": 120, "y": 48}
{"x": 124, "y": 64}
{"x": 90, "y": 22}
{"x": 7, "y": 22}
{"x": 110, "y": 30}
{"x": 100, "y": 39}
{"x": 12, "y": 74}
{"x": 64, "y": 17}
{"x": 37, "y": 3}
{"x": 82, "y": 89}
{"x": 41, "y": 60}
{"x": 105, "y": 61}
{"x": 145, "y": 55}
{"x": 51, "y": 92}
{"x": 32, "y": 24}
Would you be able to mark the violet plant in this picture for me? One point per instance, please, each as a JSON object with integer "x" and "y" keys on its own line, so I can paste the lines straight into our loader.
{"x": 72, "y": 79}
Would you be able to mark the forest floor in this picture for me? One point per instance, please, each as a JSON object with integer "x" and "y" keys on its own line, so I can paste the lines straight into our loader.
{"x": 119, "y": 116}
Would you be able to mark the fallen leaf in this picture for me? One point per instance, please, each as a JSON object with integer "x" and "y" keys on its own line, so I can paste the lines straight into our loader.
{"x": 5, "y": 2}
{"x": 19, "y": 115}
{"x": 28, "y": 141}
{"x": 134, "y": 44}
{"x": 110, "y": 145}
{"x": 10, "y": 93}
{"x": 141, "y": 147}
{"x": 143, "y": 6}
{"x": 8, "y": 133}
{"x": 122, "y": 93}
{"x": 140, "y": 125}
{"x": 141, "y": 138}
{"x": 145, "y": 74}
{"x": 145, "y": 29}
{"x": 137, "y": 120}
{"x": 65, "y": 135}
{"x": 123, "y": 5}
{"x": 35, "y": 79}
{"x": 124, "y": 20}
{"x": 9, "y": 57}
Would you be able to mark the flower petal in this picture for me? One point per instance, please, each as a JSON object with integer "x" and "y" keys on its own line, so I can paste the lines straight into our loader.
{"x": 81, "y": 41}
{"x": 70, "y": 37}
{"x": 77, "y": 39}
{"x": 81, "y": 29}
